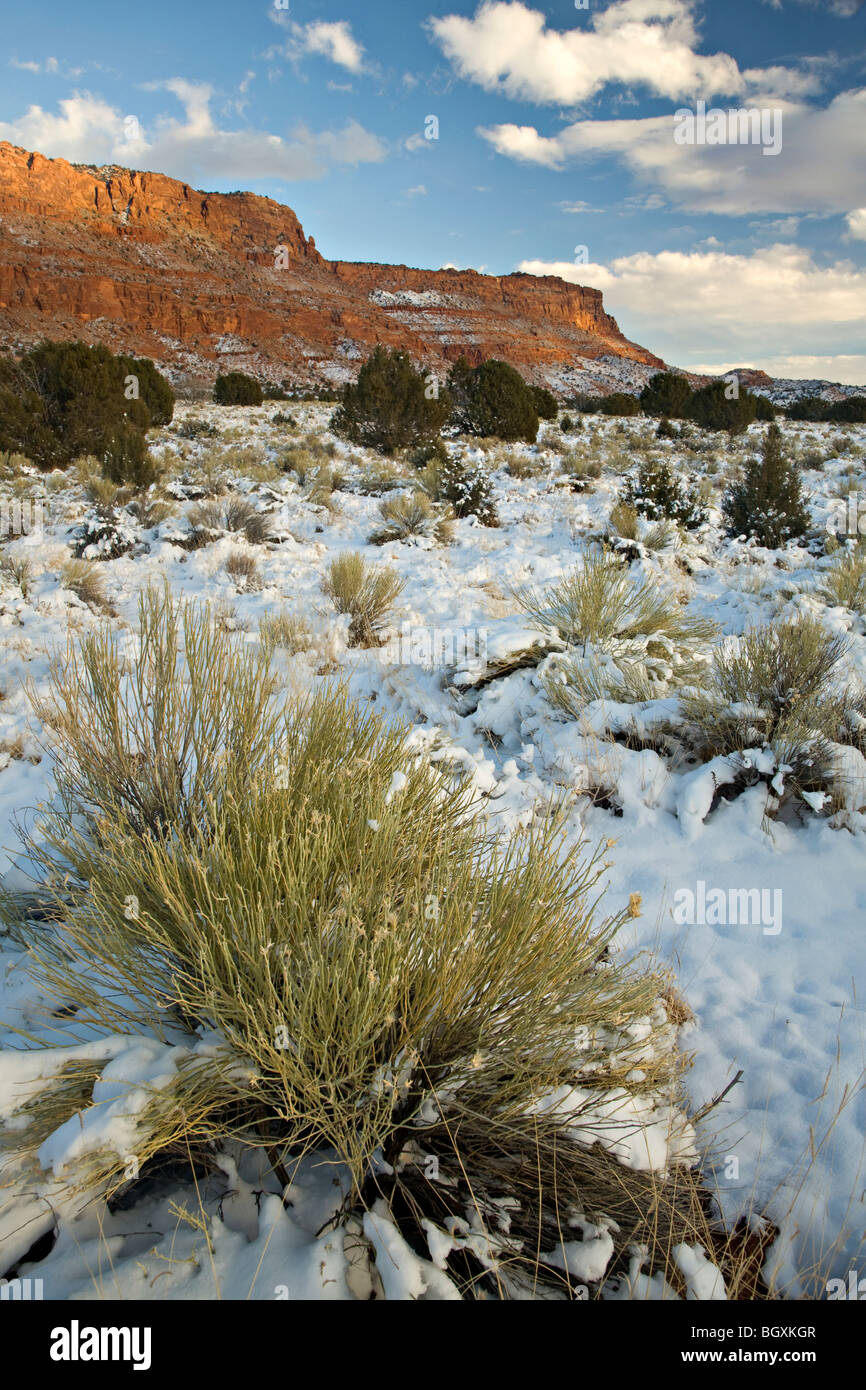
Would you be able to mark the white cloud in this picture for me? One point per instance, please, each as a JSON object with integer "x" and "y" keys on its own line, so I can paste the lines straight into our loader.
{"x": 419, "y": 191}
{"x": 506, "y": 47}
{"x": 821, "y": 166}
{"x": 710, "y": 306}
{"x": 332, "y": 39}
{"x": 88, "y": 130}
{"x": 857, "y": 224}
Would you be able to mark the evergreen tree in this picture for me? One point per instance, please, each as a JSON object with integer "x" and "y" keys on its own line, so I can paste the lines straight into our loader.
{"x": 237, "y": 388}
{"x": 657, "y": 493}
{"x": 666, "y": 394}
{"x": 767, "y": 502}
{"x": 492, "y": 399}
{"x": 713, "y": 407}
{"x": 391, "y": 405}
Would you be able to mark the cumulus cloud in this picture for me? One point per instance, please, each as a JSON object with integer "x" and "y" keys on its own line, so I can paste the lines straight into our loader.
{"x": 821, "y": 166}
{"x": 711, "y": 308}
{"x": 87, "y": 130}
{"x": 506, "y": 47}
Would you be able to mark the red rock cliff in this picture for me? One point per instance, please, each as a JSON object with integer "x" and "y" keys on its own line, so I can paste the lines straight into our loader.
{"x": 208, "y": 281}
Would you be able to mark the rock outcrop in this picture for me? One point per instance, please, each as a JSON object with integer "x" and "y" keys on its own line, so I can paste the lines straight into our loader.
{"x": 204, "y": 282}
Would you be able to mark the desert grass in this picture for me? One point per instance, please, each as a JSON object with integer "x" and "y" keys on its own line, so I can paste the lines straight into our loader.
{"x": 407, "y": 515}
{"x": 366, "y": 592}
{"x": 375, "y": 978}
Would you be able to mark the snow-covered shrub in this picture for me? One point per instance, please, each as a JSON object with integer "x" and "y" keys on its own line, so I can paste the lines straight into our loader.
{"x": 412, "y": 514}
{"x": 658, "y": 494}
{"x": 208, "y": 521}
{"x": 365, "y": 592}
{"x": 299, "y": 921}
{"x": 776, "y": 688}
{"x": 105, "y": 534}
{"x": 627, "y": 638}
{"x": 465, "y": 485}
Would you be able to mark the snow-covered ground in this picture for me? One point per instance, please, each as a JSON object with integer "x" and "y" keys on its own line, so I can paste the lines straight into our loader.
{"x": 776, "y": 1000}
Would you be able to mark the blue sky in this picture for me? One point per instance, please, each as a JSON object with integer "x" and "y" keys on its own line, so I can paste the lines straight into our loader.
{"x": 555, "y": 132}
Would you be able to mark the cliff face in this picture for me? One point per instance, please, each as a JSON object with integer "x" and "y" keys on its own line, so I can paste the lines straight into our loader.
{"x": 210, "y": 281}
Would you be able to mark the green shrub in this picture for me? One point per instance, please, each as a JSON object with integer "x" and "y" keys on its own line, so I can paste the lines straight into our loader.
{"x": 667, "y": 394}
{"x": 665, "y": 429}
{"x": 391, "y": 405}
{"x": 236, "y": 388}
{"x": 492, "y": 400}
{"x": 715, "y": 407}
{"x": 618, "y": 403}
{"x": 65, "y": 400}
{"x": 658, "y": 494}
{"x": 545, "y": 403}
{"x": 767, "y": 502}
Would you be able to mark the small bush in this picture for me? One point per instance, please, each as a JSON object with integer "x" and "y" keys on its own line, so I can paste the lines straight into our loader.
{"x": 767, "y": 502}
{"x": 391, "y": 405}
{"x": 365, "y": 592}
{"x": 196, "y": 429}
{"x": 624, "y": 520}
{"x": 845, "y": 582}
{"x": 412, "y": 514}
{"x": 236, "y": 388}
{"x": 210, "y": 520}
{"x": 773, "y": 688}
{"x": 241, "y": 567}
{"x": 288, "y": 630}
{"x": 465, "y": 486}
{"x": 628, "y": 639}
{"x": 84, "y": 579}
{"x": 126, "y": 460}
{"x": 619, "y": 403}
{"x": 658, "y": 494}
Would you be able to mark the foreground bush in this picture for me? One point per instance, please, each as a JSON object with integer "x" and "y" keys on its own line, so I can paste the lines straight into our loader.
{"x": 334, "y": 957}
{"x": 65, "y": 400}
{"x": 236, "y": 388}
{"x": 391, "y": 405}
{"x": 767, "y": 502}
{"x": 627, "y": 639}
{"x": 412, "y": 514}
